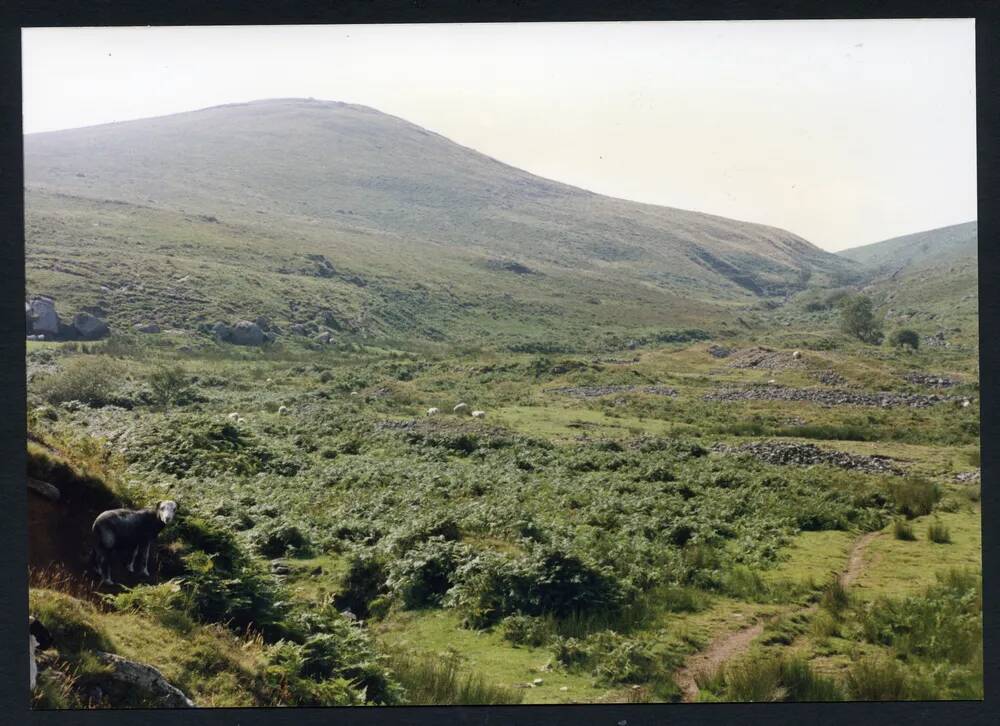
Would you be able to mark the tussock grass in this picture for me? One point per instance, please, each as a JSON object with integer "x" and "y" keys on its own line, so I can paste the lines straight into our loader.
{"x": 764, "y": 677}
{"x": 901, "y": 529}
{"x": 431, "y": 679}
{"x": 938, "y": 532}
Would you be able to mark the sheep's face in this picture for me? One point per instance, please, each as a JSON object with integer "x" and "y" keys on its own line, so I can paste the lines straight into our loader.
{"x": 166, "y": 511}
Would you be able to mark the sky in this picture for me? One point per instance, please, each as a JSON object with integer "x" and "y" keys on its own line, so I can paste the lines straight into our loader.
{"x": 844, "y": 132}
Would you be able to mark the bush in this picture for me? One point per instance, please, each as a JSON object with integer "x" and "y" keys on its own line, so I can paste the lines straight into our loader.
{"x": 525, "y": 630}
{"x": 901, "y": 529}
{"x": 857, "y": 319}
{"x": 364, "y": 582}
{"x": 914, "y": 496}
{"x": 938, "y": 532}
{"x": 905, "y": 337}
{"x": 171, "y": 385}
{"x": 423, "y": 575}
{"x": 277, "y": 538}
{"x": 546, "y": 581}
{"x": 878, "y": 679}
{"x": 93, "y": 380}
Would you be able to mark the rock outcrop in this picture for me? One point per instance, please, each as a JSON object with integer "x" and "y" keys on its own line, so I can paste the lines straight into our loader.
{"x": 89, "y": 327}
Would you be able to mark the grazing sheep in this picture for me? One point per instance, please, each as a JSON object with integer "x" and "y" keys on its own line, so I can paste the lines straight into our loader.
{"x": 772, "y": 381}
{"x": 233, "y": 416}
{"x": 38, "y": 639}
{"x": 462, "y": 408}
{"x": 283, "y": 410}
{"x": 128, "y": 530}
{"x": 479, "y": 414}
{"x": 433, "y": 411}
{"x": 796, "y": 355}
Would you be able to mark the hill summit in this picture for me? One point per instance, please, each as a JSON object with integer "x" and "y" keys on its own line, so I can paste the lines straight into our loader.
{"x": 382, "y": 204}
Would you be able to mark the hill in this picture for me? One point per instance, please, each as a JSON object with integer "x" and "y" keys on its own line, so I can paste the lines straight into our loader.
{"x": 946, "y": 245}
{"x": 305, "y": 211}
{"x": 928, "y": 281}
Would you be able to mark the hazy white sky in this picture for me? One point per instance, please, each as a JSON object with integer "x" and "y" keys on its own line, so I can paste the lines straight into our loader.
{"x": 845, "y": 132}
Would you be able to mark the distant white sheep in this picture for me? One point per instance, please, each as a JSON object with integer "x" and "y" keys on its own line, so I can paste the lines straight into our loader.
{"x": 233, "y": 416}
{"x": 796, "y": 355}
{"x": 479, "y": 414}
{"x": 461, "y": 408}
{"x": 283, "y": 410}
{"x": 433, "y": 411}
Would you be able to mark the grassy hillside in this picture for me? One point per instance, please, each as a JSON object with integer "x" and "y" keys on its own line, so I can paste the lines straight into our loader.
{"x": 935, "y": 247}
{"x": 338, "y": 210}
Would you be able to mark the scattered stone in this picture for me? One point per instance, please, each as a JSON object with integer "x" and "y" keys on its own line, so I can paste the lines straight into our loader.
{"x": 537, "y": 682}
{"x": 780, "y": 453}
{"x": 461, "y": 408}
{"x": 147, "y": 327}
{"x": 564, "y": 688}
{"x": 830, "y": 378}
{"x": 89, "y": 327}
{"x": 968, "y": 477}
{"x": 325, "y": 337}
{"x": 595, "y": 391}
{"x": 44, "y": 318}
{"x": 764, "y": 358}
{"x": 827, "y": 397}
{"x": 246, "y": 333}
{"x": 283, "y": 410}
{"x": 718, "y": 351}
{"x": 279, "y": 568}
{"x": 222, "y": 332}
{"x": 928, "y": 379}
{"x": 146, "y": 678}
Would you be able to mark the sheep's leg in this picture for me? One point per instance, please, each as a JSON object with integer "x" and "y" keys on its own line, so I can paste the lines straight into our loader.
{"x": 133, "y": 559}
{"x": 104, "y": 568}
{"x": 145, "y": 564}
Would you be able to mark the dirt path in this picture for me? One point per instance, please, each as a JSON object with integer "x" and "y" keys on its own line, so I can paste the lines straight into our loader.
{"x": 729, "y": 645}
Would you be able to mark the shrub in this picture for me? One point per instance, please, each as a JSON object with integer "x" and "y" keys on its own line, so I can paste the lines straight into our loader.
{"x": 525, "y": 630}
{"x": 423, "y": 575}
{"x": 938, "y": 532}
{"x": 365, "y": 580}
{"x": 914, "y": 496}
{"x": 277, "y": 538}
{"x": 905, "y": 337}
{"x": 171, "y": 384}
{"x": 93, "y": 380}
{"x": 857, "y": 319}
{"x": 901, "y": 529}
{"x": 548, "y": 580}
{"x": 877, "y": 679}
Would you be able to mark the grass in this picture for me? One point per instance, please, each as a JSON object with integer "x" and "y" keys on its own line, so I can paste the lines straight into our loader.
{"x": 433, "y": 680}
{"x": 938, "y": 532}
{"x": 903, "y": 530}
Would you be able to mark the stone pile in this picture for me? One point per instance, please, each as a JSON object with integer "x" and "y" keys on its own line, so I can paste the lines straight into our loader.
{"x": 596, "y": 391}
{"x": 774, "y": 452}
{"x": 828, "y": 396}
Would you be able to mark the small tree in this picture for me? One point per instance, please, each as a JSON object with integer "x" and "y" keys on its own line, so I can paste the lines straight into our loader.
{"x": 905, "y": 336}
{"x": 857, "y": 318}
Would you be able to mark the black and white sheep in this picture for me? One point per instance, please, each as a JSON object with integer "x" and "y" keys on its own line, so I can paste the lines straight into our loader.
{"x": 128, "y": 531}
{"x": 38, "y": 639}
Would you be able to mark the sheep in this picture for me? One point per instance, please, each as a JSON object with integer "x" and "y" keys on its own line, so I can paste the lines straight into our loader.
{"x": 433, "y": 411}
{"x": 479, "y": 414}
{"x": 240, "y": 421}
{"x": 461, "y": 408}
{"x": 128, "y": 530}
{"x": 283, "y": 410}
{"x": 233, "y": 417}
{"x": 38, "y": 639}
{"x": 796, "y": 355}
